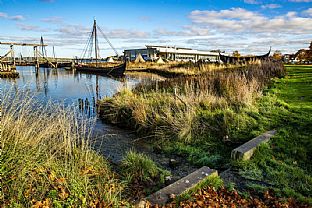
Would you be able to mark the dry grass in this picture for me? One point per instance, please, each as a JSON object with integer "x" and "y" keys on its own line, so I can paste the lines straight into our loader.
{"x": 170, "y": 109}
{"x": 181, "y": 68}
{"x": 46, "y": 158}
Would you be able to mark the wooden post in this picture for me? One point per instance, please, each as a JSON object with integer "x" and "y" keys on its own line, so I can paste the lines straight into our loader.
{"x": 12, "y": 54}
{"x": 97, "y": 87}
{"x": 36, "y": 58}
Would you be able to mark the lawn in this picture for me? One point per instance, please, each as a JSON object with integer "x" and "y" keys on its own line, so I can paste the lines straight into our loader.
{"x": 203, "y": 118}
{"x": 285, "y": 163}
{"x": 279, "y": 174}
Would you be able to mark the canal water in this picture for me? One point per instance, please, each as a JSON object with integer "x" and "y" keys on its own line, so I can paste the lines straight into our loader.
{"x": 73, "y": 88}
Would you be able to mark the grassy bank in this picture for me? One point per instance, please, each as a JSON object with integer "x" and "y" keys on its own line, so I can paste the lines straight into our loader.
{"x": 202, "y": 118}
{"x": 199, "y": 117}
{"x": 176, "y": 69}
{"x": 285, "y": 164}
{"x": 46, "y": 160}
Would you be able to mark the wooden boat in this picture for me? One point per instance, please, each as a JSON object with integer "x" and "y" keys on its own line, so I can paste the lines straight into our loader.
{"x": 113, "y": 71}
{"x": 98, "y": 67}
{"x": 234, "y": 60}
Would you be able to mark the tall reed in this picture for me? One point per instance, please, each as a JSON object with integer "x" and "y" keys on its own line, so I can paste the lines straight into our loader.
{"x": 47, "y": 159}
{"x": 173, "y": 108}
{"x": 182, "y": 68}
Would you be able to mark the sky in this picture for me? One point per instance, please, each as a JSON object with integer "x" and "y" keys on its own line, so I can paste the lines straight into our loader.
{"x": 249, "y": 26}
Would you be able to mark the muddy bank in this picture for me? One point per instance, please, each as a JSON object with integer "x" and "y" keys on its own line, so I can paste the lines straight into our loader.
{"x": 114, "y": 143}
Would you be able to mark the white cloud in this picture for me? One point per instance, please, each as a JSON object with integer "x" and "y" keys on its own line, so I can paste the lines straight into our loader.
{"x": 300, "y": 1}
{"x": 15, "y": 18}
{"x": 249, "y": 31}
{"x": 251, "y": 2}
{"x": 126, "y": 34}
{"x": 48, "y": 1}
{"x": 241, "y": 20}
{"x": 33, "y": 28}
{"x": 53, "y": 20}
{"x": 308, "y": 12}
{"x": 187, "y": 30}
{"x": 3, "y": 15}
{"x": 271, "y": 6}
{"x": 73, "y": 30}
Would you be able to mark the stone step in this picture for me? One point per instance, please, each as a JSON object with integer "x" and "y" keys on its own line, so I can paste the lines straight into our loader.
{"x": 245, "y": 151}
{"x": 162, "y": 196}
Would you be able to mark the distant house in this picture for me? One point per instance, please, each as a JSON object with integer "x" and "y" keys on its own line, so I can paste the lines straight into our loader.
{"x": 301, "y": 56}
{"x": 304, "y": 55}
{"x": 289, "y": 58}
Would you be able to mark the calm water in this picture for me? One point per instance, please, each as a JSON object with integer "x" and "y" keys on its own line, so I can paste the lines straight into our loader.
{"x": 60, "y": 85}
{"x": 67, "y": 87}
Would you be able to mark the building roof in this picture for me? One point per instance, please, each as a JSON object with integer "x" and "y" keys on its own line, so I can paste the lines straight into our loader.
{"x": 170, "y": 49}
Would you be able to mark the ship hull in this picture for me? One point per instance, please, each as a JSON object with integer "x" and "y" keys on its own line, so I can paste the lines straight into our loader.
{"x": 113, "y": 71}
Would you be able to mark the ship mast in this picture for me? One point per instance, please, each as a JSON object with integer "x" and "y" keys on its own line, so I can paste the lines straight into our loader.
{"x": 93, "y": 43}
{"x": 96, "y": 47}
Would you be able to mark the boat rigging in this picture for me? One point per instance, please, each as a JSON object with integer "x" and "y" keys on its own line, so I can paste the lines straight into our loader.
{"x": 98, "y": 66}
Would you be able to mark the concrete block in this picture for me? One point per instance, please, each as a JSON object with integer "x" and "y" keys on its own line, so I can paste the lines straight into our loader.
{"x": 245, "y": 151}
{"x": 162, "y": 196}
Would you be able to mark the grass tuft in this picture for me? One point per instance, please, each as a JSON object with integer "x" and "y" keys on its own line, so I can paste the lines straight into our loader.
{"x": 139, "y": 167}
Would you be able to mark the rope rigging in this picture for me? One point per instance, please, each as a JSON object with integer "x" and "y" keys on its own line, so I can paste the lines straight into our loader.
{"x": 92, "y": 44}
{"x": 107, "y": 40}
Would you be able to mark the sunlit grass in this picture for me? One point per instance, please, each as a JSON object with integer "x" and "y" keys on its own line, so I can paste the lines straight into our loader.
{"x": 173, "y": 69}
{"x": 198, "y": 117}
{"x": 286, "y": 162}
{"x": 47, "y": 160}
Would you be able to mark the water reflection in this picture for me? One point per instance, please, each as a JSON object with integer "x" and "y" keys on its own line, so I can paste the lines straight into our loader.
{"x": 82, "y": 90}
{"x": 60, "y": 85}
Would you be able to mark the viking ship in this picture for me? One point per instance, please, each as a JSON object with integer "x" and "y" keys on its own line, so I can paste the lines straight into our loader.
{"x": 234, "y": 60}
{"x": 97, "y": 66}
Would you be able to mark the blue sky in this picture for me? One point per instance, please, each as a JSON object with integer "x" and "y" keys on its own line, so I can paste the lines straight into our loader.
{"x": 249, "y": 26}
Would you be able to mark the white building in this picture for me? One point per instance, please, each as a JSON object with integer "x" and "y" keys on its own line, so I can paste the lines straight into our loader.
{"x": 172, "y": 54}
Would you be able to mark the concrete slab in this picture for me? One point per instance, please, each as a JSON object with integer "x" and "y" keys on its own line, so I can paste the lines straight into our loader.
{"x": 245, "y": 151}
{"x": 162, "y": 196}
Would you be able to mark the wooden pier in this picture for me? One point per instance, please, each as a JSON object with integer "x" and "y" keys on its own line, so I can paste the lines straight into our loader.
{"x": 39, "y": 59}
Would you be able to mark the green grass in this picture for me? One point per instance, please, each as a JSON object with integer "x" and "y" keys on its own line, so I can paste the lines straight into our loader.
{"x": 208, "y": 116}
{"x": 285, "y": 163}
{"x": 139, "y": 167}
{"x": 201, "y": 118}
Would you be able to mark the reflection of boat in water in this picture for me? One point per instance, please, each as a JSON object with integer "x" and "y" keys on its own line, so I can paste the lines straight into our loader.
{"x": 98, "y": 67}
{"x": 234, "y": 60}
